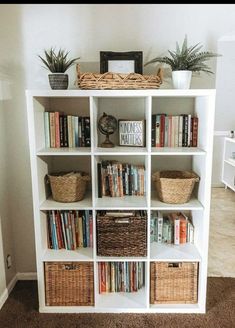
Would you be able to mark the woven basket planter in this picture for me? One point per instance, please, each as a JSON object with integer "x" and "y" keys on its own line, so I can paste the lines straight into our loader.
{"x": 116, "y": 81}
{"x": 70, "y": 187}
{"x": 174, "y": 282}
{"x": 69, "y": 283}
{"x": 121, "y": 236}
{"x": 175, "y": 187}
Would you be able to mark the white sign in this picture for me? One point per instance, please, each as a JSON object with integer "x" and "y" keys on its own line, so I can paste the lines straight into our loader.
{"x": 131, "y": 133}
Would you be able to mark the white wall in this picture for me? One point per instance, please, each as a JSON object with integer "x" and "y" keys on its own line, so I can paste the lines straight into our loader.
{"x": 85, "y": 30}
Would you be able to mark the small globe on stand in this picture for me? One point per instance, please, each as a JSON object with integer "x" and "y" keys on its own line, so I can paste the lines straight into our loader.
{"x": 107, "y": 125}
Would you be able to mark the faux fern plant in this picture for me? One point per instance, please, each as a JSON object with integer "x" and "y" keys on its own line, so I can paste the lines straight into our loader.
{"x": 187, "y": 58}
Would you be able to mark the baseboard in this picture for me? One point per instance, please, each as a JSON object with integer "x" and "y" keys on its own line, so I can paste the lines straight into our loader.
{"x": 11, "y": 285}
{"x": 26, "y": 275}
{"x": 7, "y": 291}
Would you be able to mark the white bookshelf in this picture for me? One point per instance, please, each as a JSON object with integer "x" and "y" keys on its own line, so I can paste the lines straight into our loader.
{"x": 123, "y": 104}
{"x": 228, "y": 165}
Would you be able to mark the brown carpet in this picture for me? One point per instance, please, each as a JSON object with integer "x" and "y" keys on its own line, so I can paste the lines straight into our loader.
{"x": 20, "y": 311}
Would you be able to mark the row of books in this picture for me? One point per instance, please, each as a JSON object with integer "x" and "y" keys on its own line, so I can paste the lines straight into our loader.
{"x": 69, "y": 229}
{"x": 173, "y": 228}
{"x": 121, "y": 276}
{"x": 174, "y": 131}
{"x": 117, "y": 179}
{"x": 66, "y": 130}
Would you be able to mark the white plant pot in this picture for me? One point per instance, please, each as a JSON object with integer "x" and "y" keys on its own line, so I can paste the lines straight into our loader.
{"x": 181, "y": 79}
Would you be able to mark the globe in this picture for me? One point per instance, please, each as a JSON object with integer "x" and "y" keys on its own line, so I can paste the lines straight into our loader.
{"x": 107, "y": 125}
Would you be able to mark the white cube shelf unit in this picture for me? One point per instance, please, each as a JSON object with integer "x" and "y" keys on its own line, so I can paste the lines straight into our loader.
{"x": 134, "y": 105}
{"x": 228, "y": 165}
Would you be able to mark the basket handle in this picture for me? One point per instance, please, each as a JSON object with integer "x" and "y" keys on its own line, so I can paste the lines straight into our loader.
{"x": 174, "y": 265}
{"x": 124, "y": 220}
{"x": 71, "y": 266}
{"x": 135, "y": 74}
{"x": 108, "y": 73}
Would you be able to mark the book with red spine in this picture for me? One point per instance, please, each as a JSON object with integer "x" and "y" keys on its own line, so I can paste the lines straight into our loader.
{"x": 194, "y": 131}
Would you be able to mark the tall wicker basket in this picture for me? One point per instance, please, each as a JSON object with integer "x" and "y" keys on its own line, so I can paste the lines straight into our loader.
{"x": 68, "y": 187}
{"x": 174, "y": 282}
{"x": 175, "y": 187}
{"x": 69, "y": 283}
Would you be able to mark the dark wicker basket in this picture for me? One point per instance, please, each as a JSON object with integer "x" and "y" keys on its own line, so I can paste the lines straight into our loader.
{"x": 121, "y": 236}
{"x": 174, "y": 282}
{"x": 68, "y": 187}
{"x": 69, "y": 283}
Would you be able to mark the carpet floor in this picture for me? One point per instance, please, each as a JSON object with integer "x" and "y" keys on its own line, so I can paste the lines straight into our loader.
{"x": 21, "y": 311}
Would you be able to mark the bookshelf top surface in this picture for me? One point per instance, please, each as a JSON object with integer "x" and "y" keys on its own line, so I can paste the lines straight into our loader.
{"x": 121, "y": 93}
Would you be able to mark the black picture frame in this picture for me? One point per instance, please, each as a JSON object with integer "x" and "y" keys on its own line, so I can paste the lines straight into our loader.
{"x": 136, "y": 56}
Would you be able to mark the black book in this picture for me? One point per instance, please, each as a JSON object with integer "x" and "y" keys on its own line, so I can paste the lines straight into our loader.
{"x": 99, "y": 180}
{"x": 61, "y": 125}
{"x": 153, "y": 134}
{"x": 87, "y": 135}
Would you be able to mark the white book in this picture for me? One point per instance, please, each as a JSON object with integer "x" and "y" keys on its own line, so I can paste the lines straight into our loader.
{"x": 159, "y": 226}
{"x": 177, "y": 231}
{"x": 47, "y": 130}
{"x": 180, "y": 131}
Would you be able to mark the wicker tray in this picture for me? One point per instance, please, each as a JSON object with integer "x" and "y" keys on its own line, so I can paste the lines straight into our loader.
{"x": 110, "y": 80}
{"x": 69, "y": 283}
{"x": 174, "y": 282}
{"x": 175, "y": 187}
{"x": 121, "y": 236}
{"x": 70, "y": 187}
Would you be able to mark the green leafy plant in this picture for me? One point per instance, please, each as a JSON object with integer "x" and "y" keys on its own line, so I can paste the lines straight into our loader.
{"x": 186, "y": 58}
{"x": 57, "y": 62}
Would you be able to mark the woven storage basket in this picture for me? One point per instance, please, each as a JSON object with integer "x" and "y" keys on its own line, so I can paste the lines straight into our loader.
{"x": 110, "y": 80}
{"x": 175, "y": 187}
{"x": 121, "y": 236}
{"x": 174, "y": 282}
{"x": 68, "y": 187}
{"x": 69, "y": 283}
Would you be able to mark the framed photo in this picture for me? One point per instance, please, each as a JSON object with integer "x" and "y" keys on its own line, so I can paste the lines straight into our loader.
{"x": 121, "y": 62}
{"x": 131, "y": 133}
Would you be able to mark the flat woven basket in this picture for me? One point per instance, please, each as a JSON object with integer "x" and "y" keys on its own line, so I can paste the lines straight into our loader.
{"x": 174, "y": 282}
{"x": 121, "y": 236}
{"x": 69, "y": 283}
{"x": 110, "y": 80}
{"x": 175, "y": 187}
{"x": 69, "y": 187}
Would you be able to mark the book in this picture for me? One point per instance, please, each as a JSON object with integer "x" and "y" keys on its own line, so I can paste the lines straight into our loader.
{"x": 159, "y": 226}
{"x": 47, "y": 129}
{"x": 52, "y": 129}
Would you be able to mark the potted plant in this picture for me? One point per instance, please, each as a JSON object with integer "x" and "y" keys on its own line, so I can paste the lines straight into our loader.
{"x": 57, "y": 63}
{"x": 184, "y": 61}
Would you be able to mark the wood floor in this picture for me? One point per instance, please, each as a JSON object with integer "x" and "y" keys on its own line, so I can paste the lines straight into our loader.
{"x": 222, "y": 234}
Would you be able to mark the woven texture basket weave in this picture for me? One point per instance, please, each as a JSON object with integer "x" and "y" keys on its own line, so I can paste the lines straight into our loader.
{"x": 69, "y": 283}
{"x": 110, "y": 80}
{"x": 70, "y": 187}
{"x": 174, "y": 282}
{"x": 121, "y": 236}
{"x": 175, "y": 187}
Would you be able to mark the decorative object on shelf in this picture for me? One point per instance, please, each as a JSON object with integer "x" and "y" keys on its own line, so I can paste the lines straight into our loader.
{"x": 175, "y": 187}
{"x": 122, "y": 235}
{"x": 69, "y": 283}
{"x": 116, "y": 81}
{"x": 107, "y": 125}
{"x": 184, "y": 61}
{"x": 175, "y": 282}
{"x": 68, "y": 187}
{"x": 58, "y": 63}
{"x": 121, "y": 62}
{"x": 232, "y": 134}
{"x": 131, "y": 133}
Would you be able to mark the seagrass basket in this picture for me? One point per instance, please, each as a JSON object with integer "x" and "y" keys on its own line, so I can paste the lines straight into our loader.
{"x": 68, "y": 187}
{"x": 174, "y": 282}
{"x": 69, "y": 283}
{"x": 175, "y": 187}
{"x": 111, "y": 80}
{"x": 121, "y": 236}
